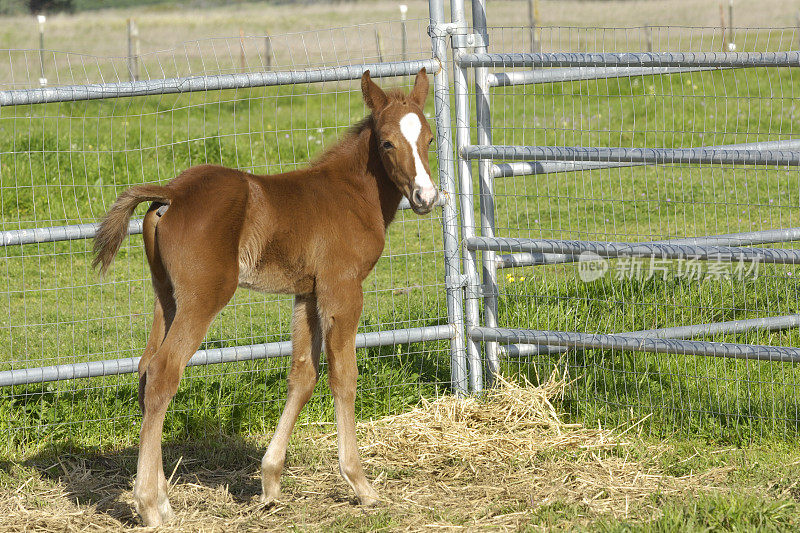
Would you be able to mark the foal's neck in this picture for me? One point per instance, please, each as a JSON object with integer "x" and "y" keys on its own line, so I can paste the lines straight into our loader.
{"x": 388, "y": 193}
{"x": 357, "y": 156}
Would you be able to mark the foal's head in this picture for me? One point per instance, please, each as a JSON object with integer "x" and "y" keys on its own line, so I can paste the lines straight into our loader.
{"x": 403, "y": 137}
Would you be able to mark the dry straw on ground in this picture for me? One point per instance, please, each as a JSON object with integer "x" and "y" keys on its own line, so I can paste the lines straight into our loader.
{"x": 498, "y": 461}
{"x": 513, "y": 447}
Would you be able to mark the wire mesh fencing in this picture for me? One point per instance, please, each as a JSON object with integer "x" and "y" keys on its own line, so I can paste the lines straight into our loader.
{"x": 63, "y": 162}
{"x": 628, "y": 206}
{"x": 653, "y": 196}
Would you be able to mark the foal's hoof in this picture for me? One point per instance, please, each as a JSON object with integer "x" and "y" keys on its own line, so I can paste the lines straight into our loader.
{"x": 151, "y": 519}
{"x": 155, "y": 515}
{"x": 269, "y": 501}
{"x": 371, "y": 500}
{"x": 166, "y": 512}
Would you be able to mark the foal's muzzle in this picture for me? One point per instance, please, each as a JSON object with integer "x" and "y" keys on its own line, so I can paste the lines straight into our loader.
{"x": 422, "y": 203}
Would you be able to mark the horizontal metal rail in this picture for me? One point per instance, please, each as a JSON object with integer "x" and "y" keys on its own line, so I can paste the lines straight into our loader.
{"x": 632, "y": 249}
{"x": 527, "y": 350}
{"x": 58, "y": 233}
{"x": 633, "y": 59}
{"x": 747, "y": 238}
{"x": 525, "y": 259}
{"x": 525, "y": 168}
{"x": 533, "y": 168}
{"x": 635, "y": 343}
{"x": 556, "y": 75}
{"x": 113, "y": 367}
{"x": 88, "y": 231}
{"x": 773, "y": 323}
{"x": 99, "y": 91}
{"x": 688, "y": 156}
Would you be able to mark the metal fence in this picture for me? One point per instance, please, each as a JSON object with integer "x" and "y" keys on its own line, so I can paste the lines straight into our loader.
{"x": 624, "y": 198}
{"x": 70, "y": 340}
{"x": 605, "y": 210}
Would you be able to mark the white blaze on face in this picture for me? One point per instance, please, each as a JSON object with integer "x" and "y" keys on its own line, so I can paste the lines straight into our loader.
{"x": 411, "y": 127}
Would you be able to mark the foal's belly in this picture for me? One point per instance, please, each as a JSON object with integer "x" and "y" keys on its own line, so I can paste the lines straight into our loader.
{"x": 274, "y": 280}
{"x": 271, "y": 262}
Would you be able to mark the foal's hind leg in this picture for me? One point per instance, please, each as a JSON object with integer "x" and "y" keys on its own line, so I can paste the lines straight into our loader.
{"x": 164, "y": 306}
{"x": 306, "y": 345}
{"x": 163, "y": 314}
{"x": 162, "y": 321}
{"x": 158, "y": 331}
{"x": 163, "y": 375}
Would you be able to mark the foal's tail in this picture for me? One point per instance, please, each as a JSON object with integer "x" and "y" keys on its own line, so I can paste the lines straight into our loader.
{"x": 114, "y": 226}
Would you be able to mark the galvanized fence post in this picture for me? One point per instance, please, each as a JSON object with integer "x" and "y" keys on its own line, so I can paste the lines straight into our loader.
{"x": 462, "y": 117}
{"x": 450, "y": 223}
{"x": 133, "y": 50}
{"x": 486, "y": 185}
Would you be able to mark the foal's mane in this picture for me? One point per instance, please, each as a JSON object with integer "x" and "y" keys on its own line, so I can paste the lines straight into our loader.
{"x": 348, "y": 144}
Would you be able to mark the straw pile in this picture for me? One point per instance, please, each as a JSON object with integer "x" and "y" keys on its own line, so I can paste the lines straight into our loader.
{"x": 512, "y": 446}
{"x": 511, "y": 421}
{"x": 500, "y": 461}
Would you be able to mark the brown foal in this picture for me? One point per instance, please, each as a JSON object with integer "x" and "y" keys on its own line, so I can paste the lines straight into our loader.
{"x": 315, "y": 233}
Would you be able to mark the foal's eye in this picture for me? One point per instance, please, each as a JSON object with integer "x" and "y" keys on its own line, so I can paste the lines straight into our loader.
{"x": 430, "y": 141}
{"x": 387, "y": 145}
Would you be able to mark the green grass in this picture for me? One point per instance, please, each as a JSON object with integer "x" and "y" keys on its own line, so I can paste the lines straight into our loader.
{"x": 65, "y": 164}
{"x": 726, "y": 399}
{"x": 755, "y": 490}
{"x": 758, "y": 492}
{"x": 720, "y": 512}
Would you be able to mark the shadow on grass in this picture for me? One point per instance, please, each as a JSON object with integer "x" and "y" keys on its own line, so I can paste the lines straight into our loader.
{"x": 205, "y": 432}
{"x": 104, "y": 480}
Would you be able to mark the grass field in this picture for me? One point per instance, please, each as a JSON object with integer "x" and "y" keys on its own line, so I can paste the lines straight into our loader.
{"x": 729, "y": 427}
{"x": 503, "y": 463}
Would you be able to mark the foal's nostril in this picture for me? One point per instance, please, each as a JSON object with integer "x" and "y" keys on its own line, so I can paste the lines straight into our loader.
{"x": 416, "y": 197}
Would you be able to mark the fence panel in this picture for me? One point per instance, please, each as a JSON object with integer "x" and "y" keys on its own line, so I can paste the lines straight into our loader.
{"x": 628, "y": 189}
{"x": 628, "y": 204}
{"x": 67, "y": 151}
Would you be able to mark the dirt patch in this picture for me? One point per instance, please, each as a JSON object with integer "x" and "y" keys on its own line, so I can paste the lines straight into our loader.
{"x": 501, "y": 461}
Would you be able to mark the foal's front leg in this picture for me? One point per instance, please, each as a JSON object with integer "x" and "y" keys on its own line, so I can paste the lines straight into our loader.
{"x": 341, "y": 310}
{"x": 306, "y": 345}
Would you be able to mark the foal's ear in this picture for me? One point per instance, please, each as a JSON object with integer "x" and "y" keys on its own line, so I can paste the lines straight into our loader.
{"x": 420, "y": 91}
{"x": 373, "y": 95}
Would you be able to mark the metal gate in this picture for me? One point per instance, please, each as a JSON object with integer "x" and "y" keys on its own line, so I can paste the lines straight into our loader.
{"x": 560, "y": 257}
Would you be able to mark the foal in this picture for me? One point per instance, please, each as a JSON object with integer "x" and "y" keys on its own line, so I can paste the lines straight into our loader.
{"x": 315, "y": 233}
